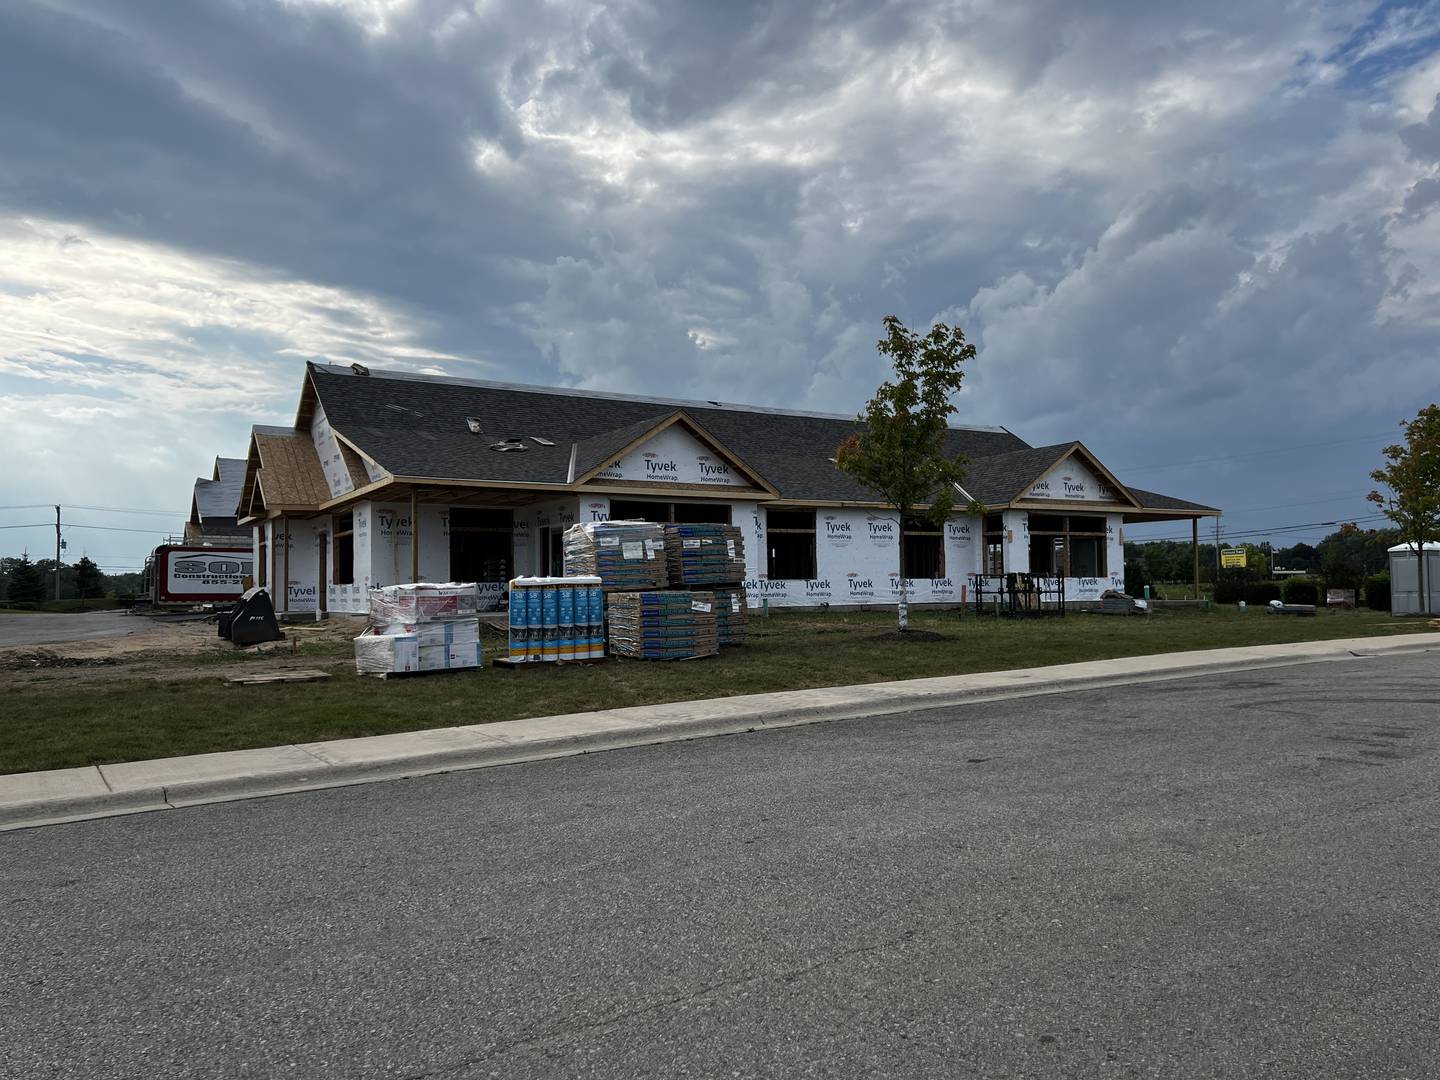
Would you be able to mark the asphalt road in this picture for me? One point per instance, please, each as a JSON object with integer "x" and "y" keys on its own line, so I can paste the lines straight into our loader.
{"x": 53, "y": 628}
{"x": 1230, "y": 876}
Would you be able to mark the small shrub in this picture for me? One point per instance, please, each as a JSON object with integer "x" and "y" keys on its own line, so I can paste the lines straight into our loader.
{"x": 1229, "y": 592}
{"x": 1300, "y": 591}
{"x": 1377, "y": 592}
{"x": 1262, "y": 592}
{"x": 1135, "y": 581}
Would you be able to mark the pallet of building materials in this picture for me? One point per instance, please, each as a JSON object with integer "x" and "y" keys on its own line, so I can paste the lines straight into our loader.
{"x": 425, "y": 602}
{"x": 440, "y": 646}
{"x": 556, "y": 620}
{"x": 704, "y": 554}
{"x": 676, "y": 625}
{"x": 732, "y": 615}
{"x": 624, "y": 555}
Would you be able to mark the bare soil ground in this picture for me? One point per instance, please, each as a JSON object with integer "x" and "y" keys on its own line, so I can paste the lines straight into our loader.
{"x": 169, "y": 651}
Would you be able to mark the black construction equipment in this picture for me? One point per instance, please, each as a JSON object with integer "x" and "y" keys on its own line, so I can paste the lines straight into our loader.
{"x": 252, "y": 619}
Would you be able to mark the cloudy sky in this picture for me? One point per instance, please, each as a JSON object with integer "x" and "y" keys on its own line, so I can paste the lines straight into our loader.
{"x": 1202, "y": 238}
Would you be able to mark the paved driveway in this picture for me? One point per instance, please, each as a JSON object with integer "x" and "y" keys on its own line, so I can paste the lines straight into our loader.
{"x": 47, "y": 628}
{"x": 1230, "y": 876}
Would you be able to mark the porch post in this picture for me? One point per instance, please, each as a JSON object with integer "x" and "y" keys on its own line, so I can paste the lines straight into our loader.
{"x": 1195, "y": 551}
{"x": 285, "y": 584}
{"x": 414, "y": 539}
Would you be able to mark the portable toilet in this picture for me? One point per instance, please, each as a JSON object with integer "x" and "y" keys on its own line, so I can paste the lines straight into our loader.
{"x": 1405, "y": 579}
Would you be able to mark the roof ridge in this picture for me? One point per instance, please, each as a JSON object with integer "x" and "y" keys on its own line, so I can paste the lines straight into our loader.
{"x": 606, "y": 395}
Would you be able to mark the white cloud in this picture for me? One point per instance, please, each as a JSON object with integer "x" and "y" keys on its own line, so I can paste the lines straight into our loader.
{"x": 141, "y": 322}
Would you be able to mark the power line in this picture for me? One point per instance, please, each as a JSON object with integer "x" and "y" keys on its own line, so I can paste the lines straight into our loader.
{"x": 121, "y": 510}
{"x": 109, "y": 528}
{"x": 1274, "y": 529}
{"x": 1285, "y": 506}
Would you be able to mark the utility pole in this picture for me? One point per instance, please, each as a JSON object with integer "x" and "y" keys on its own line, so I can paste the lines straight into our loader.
{"x": 1217, "y": 549}
{"x": 57, "y": 551}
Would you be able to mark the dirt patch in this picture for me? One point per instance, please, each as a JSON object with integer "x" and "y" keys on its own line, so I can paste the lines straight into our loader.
{"x": 911, "y": 635}
{"x": 27, "y": 660}
{"x": 176, "y": 651}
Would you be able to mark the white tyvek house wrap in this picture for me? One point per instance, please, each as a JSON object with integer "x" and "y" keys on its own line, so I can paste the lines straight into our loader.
{"x": 303, "y": 589}
{"x": 1072, "y": 481}
{"x": 337, "y": 476}
{"x": 390, "y": 539}
{"x": 857, "y": 557}
{"x": 674, "y": 456}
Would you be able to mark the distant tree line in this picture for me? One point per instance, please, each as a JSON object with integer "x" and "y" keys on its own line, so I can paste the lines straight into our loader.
{"x": 1349, "y": 558}
{"x": 25, "y": 582}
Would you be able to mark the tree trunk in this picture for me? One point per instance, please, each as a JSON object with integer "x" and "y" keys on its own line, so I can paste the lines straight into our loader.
{"x": 1424, "y": 592}
{"x": 903, "y": 608}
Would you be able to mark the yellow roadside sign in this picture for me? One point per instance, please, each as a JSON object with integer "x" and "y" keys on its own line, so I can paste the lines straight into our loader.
{"x": 1232, "y": 557}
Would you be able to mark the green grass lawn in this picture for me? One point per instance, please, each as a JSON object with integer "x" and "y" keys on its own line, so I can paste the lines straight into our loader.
{"x": 60, "y": 721}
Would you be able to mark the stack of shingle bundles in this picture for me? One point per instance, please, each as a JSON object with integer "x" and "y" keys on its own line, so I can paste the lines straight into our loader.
{"x": 675, "y": 625}
{"x": 732, "y": 615}
{"x": 624, "y": 555}
{"x": 704, "y": 554}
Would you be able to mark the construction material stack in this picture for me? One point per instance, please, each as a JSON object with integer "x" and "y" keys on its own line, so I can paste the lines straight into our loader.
{"x": 422, "y": 627}
{"x": 712, "y": 557}
{"x": 674, "y": 625}
{"x": 732, "y": 615}
{"x": 698, "y": 555}
{"x": 556, "y": 619}
{"x": 624, "y": 555}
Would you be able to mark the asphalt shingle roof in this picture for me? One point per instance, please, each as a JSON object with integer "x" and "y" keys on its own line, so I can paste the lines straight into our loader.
{"x": 1153, "y": 500}
{"x": 219, "y": 498}
{"x": 999, "y": 478}
{"x": 416, "y": 426}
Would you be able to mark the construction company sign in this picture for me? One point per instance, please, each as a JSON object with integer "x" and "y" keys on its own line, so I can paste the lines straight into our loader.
{"x": 199, "y": 574}
{"x": 1072, "y": 481}
{"x": 673, "y": 457}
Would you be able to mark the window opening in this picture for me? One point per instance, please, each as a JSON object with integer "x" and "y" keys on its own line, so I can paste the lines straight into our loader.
{"x": 481, "y": 543}
{"x": 344, "y": 548}
{"x": 790, "y": 536}
{"x": 924, "y": 545}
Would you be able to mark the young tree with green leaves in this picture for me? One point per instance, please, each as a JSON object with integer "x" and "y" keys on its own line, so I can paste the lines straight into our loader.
{"x": 899, "y": 451}
{"x": 1411, "y": 477}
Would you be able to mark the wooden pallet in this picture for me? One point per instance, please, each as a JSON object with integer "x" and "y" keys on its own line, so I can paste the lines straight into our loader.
{"x": 515, "y": 665}
{"x": 276, "y": 677}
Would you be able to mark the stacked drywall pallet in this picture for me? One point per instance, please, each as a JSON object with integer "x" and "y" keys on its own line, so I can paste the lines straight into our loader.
{"x": 675, "y": 625}
{"x": 704, "y": 554}
{"x": 424, "y": 627}
{"x": 555, "y": 619}
{"x": 624, "y": 555}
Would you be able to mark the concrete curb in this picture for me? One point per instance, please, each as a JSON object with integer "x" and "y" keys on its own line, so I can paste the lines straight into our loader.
{"x": 28, "y": 800}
